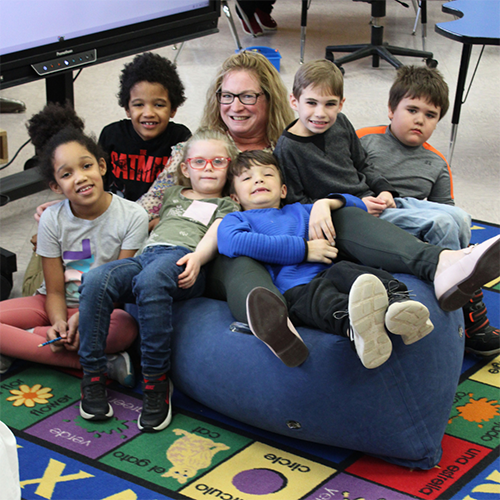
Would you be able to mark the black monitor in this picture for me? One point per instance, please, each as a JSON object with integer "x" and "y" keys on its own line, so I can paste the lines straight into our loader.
{"x": 45, "y": 39}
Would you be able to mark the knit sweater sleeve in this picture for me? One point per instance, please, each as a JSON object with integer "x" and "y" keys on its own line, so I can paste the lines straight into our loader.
{"x": 363, "y": 164}
{"x": 294, "y": 167}
{"x": 441, "y": 192}
{"x": 442, "y": 188}
{"x": 242, "y": 234}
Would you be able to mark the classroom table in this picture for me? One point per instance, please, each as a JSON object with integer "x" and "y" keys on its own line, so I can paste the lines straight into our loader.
{"x": 479, "y": 24}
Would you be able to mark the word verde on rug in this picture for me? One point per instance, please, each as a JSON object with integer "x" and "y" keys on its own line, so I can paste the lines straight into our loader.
{"x": 203, "y": 455}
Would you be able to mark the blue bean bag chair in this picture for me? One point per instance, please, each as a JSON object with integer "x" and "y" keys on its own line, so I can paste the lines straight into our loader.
{"x": 397, "y": 412}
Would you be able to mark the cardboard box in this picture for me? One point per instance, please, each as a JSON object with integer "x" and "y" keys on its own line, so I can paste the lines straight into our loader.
{"x": 4, "y": 152}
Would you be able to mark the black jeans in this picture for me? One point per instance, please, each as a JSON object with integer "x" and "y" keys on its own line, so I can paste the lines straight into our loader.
{"x": 323, "y": 302}
{"x": 361, "y": 238}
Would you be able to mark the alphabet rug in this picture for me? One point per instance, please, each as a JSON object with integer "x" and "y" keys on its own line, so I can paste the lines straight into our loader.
{"x": 203, "y": 455}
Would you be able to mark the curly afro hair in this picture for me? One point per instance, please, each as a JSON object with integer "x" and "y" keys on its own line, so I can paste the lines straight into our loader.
{"x": 54, "y": 126}
{"x": 153, "y": 68}
{"x": 53, "y": 118}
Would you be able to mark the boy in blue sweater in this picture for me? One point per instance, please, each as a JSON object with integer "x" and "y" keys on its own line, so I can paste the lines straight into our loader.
{"x": 346, "y": 299}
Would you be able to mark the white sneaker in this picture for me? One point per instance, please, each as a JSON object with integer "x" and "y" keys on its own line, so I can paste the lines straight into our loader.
{"x": 368, "y": 303}
{"x": 410, "y": 319}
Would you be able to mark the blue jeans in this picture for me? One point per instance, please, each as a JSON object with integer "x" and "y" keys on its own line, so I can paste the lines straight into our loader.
{"x": 443, "y": 225}
{"x": 149, "y": 280}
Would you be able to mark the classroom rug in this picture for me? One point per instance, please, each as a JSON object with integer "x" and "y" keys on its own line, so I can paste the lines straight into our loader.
{"x": 204, "y": 455}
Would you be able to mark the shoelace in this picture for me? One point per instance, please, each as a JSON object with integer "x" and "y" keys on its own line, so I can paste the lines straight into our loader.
{"x": 94, "y": 391}
{"x": 152, "y": 400}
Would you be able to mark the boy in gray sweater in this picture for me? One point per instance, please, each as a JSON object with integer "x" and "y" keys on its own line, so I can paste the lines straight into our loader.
{"x": 418, "y": 99}
{"x": 320, "y": 154}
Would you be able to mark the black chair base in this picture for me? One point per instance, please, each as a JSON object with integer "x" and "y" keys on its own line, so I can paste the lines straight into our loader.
{"x": 377, "y": 48}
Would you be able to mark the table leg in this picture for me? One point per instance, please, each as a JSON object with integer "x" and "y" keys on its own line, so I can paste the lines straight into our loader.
{"x": 303, "y": 26}
{"x": 423, "y": 12}
{"x": 462, "y": 75}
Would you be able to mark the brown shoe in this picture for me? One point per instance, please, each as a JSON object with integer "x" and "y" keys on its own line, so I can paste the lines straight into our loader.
{"x": 268, "y": 319}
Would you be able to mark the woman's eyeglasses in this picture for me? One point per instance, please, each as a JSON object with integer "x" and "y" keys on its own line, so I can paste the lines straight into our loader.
{"x": 199, "y": 163}
{"x": 247, "y": 98}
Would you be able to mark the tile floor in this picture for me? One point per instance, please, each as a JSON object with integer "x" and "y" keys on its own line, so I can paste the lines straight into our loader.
{"x": 476, "y": 160}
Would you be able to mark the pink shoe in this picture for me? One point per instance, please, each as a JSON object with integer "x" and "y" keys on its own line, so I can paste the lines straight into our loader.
{"x": 457, "y": 284}
{"x": 269, "y": 322}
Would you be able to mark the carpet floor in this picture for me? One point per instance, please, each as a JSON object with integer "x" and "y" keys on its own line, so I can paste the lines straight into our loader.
{"x": 204, "y": 455}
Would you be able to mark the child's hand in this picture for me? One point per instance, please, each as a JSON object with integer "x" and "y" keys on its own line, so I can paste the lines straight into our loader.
{"x": 374, "y": 205}
{"x": 73, "y": 338}
{"x": 33, "y": 241}
{"x": 321, "y": 251}
{"x": 188, "y": 277}
{"x": 152, "y": 224}
{"x": 387, "y": 198}
{"x": 320, "y": 221}
{"x": 58, "y": 329}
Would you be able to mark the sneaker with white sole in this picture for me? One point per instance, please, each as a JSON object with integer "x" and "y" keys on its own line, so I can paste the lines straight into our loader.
{"x": 409, "y": 319}
{"x": 368, "y": 304}
{"x": 5, "y": 363}
{"x": 94, "y": 403}
{"x": 268, "y": 319}
{"x": 121, "y": 369}
{"x": 156, "y": 411}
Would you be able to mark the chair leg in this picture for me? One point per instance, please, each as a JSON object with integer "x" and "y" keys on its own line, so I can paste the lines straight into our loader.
{"x": 416, "y": 21}
{"x": 229, "y": 16}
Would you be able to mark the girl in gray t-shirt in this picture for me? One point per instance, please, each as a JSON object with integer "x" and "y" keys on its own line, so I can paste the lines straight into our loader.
{"x": 89, "y": 228}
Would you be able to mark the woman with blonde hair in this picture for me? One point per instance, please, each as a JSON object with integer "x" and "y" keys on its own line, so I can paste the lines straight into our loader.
{"x": 249, "y": 102}
{"x": 279, "y": 113}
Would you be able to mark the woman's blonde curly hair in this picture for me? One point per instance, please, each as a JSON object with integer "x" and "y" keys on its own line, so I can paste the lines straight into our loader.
{"x": 280, "y": 113}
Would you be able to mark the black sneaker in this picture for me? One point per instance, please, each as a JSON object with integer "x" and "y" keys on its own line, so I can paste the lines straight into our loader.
{"x": 94, "y": 403}
{"x": 156, "y": 411}
{"x": 481, "y": 338}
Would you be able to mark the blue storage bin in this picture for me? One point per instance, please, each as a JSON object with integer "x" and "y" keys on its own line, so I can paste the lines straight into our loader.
{"x": 272, "y": 55}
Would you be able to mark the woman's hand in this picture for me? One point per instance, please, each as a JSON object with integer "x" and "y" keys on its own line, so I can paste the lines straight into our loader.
{"x": 153, "y": 223}
{"x": 40, "y": 209}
